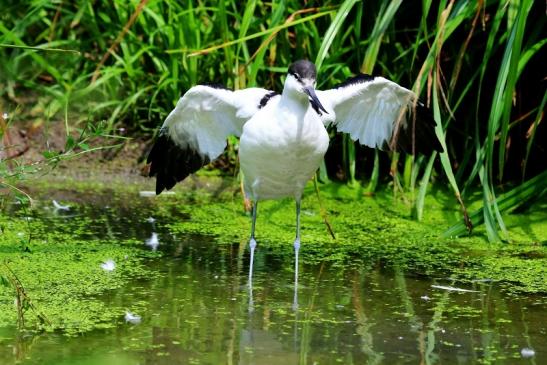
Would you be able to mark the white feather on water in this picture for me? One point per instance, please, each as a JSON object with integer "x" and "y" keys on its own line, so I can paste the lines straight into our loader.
{"x": 452, "y": 288}
{"x": 59, "y": 206}
{"x": 527, "y": 352}
{"x": 108, "y": 265}
{"x": 132, "y": 318}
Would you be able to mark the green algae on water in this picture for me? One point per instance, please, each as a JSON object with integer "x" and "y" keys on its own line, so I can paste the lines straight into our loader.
{"x": 60, "y": 271}
{"x": 378, "y": 230}
{"x": 60, "y": 268}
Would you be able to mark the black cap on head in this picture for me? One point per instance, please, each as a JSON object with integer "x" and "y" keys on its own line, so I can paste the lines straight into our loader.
{"x": 304, "y": 69}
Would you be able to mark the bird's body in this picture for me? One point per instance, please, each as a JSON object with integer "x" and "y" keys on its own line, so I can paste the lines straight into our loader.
{"x": 283, "y": 138}
{"x": 280, "y": 149}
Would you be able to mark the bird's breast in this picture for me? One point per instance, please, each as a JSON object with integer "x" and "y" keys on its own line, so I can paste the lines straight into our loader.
{"x": 279, "y": 153}
{"x": 286, "y": 132}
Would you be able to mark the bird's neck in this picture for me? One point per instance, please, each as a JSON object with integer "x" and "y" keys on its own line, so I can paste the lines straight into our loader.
{"x": 294, "y": 101}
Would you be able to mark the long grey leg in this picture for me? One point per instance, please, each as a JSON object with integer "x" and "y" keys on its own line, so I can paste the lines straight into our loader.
{"x": 296, "y": 249}
{"x": 252, "y": 241}
{"x": 252, "y": 246}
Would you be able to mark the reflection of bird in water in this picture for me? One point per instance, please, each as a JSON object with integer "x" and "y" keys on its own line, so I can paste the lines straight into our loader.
{"x": 258, "y": 346}
{"x": 153, "y": 242}
{"x": 283, "y": 137}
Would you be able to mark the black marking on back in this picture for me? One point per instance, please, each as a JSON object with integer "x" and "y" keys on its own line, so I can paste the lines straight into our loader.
{"x": 303, "y": 69}
{"x": 425, "y": 140}
{"x": 266, "y": 98}
{"x": 171, "y": 163}
{"x": 359, "y": 79}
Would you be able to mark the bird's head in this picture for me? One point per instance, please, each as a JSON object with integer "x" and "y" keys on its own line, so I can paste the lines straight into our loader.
{"x": 301, "y": 81}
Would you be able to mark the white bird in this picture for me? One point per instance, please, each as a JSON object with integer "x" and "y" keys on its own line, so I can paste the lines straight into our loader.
{"x": 283, "y": 138}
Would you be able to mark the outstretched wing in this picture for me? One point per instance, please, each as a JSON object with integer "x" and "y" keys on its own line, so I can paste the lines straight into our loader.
{"x": 195, "y": 132}
{"x": 380, "y": 114}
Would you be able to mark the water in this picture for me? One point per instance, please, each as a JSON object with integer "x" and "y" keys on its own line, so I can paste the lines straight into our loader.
{"x": 200, "y": 310}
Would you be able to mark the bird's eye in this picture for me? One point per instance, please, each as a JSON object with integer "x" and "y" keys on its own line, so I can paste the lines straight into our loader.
{"x": 295, "y": 76}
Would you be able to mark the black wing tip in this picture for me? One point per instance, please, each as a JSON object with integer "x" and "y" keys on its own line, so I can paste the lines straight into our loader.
{"x": 357, "y": 79}
{"x": 424, "y": 140}
{"x": 424, "y": 117}
{"x": 171, "y": 163}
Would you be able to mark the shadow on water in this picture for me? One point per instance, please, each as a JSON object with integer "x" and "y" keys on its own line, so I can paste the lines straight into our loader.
{"x": 197, "y": 311}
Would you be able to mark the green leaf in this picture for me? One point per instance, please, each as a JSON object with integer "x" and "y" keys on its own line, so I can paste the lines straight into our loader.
{"x": 70, "y": 143}
{"x": 506, "y": 202}
{"x": 334, "y": 28}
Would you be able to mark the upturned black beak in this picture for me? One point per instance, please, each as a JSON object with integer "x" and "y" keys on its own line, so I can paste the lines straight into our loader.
{"x": 313, "y": 98}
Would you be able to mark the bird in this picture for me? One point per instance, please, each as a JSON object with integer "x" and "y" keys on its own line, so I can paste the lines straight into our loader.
{"x": 283, "y": 137}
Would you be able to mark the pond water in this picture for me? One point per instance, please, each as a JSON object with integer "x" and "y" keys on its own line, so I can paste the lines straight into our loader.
{"x": 199, "y": 309}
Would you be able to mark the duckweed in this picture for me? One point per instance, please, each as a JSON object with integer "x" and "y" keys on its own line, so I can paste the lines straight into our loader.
{"x": 57, "y": 256}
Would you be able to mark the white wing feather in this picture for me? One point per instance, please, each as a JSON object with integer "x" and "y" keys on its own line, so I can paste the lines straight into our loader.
{"x": 205, "y": 116}
{"x": 368, "y": 110}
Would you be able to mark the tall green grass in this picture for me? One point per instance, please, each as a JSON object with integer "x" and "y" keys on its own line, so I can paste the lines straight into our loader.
{"x": 476, "y": 64}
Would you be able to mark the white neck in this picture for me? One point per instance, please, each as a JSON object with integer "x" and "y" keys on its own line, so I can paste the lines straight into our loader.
{"x": 292, "y": 98}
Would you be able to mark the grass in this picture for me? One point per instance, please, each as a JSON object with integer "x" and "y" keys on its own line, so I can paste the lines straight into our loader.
{"x": 476, "y": 64}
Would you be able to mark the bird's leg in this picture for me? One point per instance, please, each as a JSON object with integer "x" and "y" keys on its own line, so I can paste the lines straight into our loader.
{"x": 252, "y": 246}
{"x": 296, "y": 249}
{"x": 252, "y": 242}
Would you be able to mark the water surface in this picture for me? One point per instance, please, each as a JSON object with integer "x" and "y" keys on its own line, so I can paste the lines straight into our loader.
{"x": 199, "y": 309}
